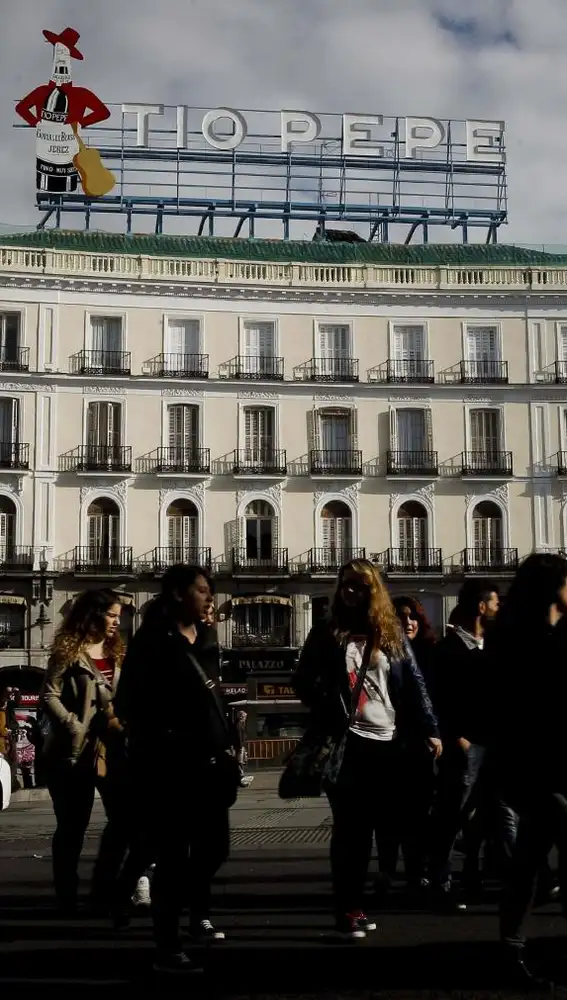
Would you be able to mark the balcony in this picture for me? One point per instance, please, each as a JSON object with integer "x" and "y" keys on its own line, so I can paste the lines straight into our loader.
{"x": 328, "y": 370}
{"x": 486, "y": 559}
{"x": 412, "y": 561}
{"x": 15, "y": 359}
{"x": 344, "y": 462}
{"x": 249, "y": 639}
{"x": 416, "y": 372}
{"x": 275, "y": 563}
{"x": 101, "y": 363}
{"x": 562, "y": 463}
{"x": 16, "y": 558}
{"x": 162, "y": 558}
{"x": 560, "y": 372}
{"x": 487, "y": 463}
{"x": 94, "y": 560}
{"x": 179, "y": 366}
{"x": 260, "y": 462}
{"x": 14, "y": 455}
{"x": 254, "y": 368}
{"x": 179, "y": 461}
{"x": 327, "y": 561}
{"x": 98, "y": 458}
{"x": 484, "y": 372}
{"x": 412, "y": 463}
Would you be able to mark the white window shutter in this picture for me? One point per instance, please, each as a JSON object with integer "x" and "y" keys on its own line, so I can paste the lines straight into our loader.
{"x": 562, "y": 346}
{"x": 394, "y": 443}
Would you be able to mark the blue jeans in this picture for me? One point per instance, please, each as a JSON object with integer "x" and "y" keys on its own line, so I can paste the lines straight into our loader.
{"x": 457, "y": 777}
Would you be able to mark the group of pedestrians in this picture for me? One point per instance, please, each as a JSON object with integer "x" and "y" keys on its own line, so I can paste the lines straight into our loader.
{"x": 439, "y": 740}
{"x": 432, "y": 741}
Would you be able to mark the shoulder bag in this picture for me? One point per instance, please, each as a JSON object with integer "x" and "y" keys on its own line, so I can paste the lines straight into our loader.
{"x": 224, "y": 765}
{"x": 310, "y": 764}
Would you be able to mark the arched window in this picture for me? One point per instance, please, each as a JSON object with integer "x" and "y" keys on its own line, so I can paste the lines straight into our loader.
{"x": 260, "y": 530}
{"x": 103, "y": 531}
{"x": 487, "y": 534}
{"x": 413, "y": 534}
{"x": 336, "y": 534}
{"x": 182, "y": 532}
{"x": 7, "y": 528}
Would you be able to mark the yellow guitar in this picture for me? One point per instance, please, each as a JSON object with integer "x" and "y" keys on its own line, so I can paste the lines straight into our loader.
{"x": 95, "y": 178}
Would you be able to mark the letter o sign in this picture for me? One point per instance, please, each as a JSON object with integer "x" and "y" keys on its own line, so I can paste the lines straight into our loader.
{"x": 224, "y": 141}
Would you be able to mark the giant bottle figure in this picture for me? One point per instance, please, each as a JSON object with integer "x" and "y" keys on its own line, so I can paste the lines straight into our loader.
{"x": 53, "y": 109}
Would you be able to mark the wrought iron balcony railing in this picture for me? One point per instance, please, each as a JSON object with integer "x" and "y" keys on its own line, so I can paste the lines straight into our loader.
{"x": 180, "y": 460}
{"x": 272, "y": 563}
{"x": 14, "y": 455}
{"x": 101, "y": 363}
{"x": 484, "y": 372}
{"x": 488, "y": 559}
{"x": 487, "y": 463}
{"x": 103, "y": 560}
{"x": 16, "y": 558}
{"x": 14, "y": 359}
{"x": 344, "y": 462}
{"x": 404, "y": 372}
{"x": 408, "y": 559}
{"x": 173, "y": 555}
{"x": 561, "y": 372}
{"x": 260, "y": 461}
{"x": 179, "y": 366}
{"x": 562, "y": 463}
{"x": 328, "y": 559}
{"x": 243, "y": 637}
{"x": 412, "y": 463}
{"x": 99, "y": 458}
{"x": 329, "y": 370}
{"x": 254, "y": 367}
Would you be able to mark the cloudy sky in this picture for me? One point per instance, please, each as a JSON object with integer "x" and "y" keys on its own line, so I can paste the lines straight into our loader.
{"x": 442, "y": 58}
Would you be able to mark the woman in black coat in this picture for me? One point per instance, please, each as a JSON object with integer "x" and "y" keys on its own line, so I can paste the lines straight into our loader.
{"x": 359, "y": 678}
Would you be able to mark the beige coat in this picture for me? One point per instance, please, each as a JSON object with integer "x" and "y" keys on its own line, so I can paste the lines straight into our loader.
{"x": 78, "y": 703}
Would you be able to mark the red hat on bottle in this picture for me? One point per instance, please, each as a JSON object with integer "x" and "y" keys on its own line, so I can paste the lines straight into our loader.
{"x": 68, "y": 37}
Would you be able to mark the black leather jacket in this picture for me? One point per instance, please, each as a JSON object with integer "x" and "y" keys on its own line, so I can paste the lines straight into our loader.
{"x": 321, "y": 683}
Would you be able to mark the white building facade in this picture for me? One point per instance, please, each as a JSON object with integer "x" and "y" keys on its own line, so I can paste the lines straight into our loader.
{"x": 270, "y": 410}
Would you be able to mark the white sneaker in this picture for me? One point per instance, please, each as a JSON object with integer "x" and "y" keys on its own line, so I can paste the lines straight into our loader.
{"x": 142, "y": 896}
{"x": 246, "y": 780}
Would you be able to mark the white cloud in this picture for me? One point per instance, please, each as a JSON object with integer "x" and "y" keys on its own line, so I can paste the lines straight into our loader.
{"x": 395, "y": 56}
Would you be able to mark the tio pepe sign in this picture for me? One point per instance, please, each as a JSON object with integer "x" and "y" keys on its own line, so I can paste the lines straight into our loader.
{"x": 362, "y": 135}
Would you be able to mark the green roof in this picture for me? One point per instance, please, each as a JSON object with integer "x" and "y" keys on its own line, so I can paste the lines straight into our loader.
{"x": 286, "y": 251}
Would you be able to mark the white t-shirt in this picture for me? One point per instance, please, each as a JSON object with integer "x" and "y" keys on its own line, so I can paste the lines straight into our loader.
{"x": 375, "y": 716}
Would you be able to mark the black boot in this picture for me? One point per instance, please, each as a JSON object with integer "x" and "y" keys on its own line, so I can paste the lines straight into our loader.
{"x": 518, "y": 974}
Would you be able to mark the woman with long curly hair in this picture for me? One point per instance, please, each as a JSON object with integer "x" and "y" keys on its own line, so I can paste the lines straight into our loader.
{"x": 360, "y": 680}
{"x": 84, "y": 746}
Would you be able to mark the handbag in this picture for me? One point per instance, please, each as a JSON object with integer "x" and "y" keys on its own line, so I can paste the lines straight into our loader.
{"x": 225, "y": 770}
{"x": 308, "y": 765}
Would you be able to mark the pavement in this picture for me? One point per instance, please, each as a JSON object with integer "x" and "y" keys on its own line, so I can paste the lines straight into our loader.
{"x": 273, "y": 900}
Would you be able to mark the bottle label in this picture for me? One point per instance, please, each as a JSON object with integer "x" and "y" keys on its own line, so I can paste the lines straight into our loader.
{"x": 56, "y": 143}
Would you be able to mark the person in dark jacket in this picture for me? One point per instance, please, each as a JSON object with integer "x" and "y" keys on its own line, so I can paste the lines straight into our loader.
{"x": 182, "y": 761}
{"x": 358, "y": 677}
{"x": 527, "y": 653}
{"x": 461, "y": 698}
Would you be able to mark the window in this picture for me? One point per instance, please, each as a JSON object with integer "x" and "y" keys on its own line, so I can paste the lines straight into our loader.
{"x": 103, "y": 531}
{"x": 260, "y": 530}
{"x": 183, "y": 431}
{"x": 7, "y": 528}
{"x": 408, "y": 345}
{"x": 182, "y": 532}
{"x": 106, "y": 336}
{"x": 482, "y": 343}
{"x": 336, "y": 532}
{"x": 412, "y": 431}
{"x": 259, "y": 434}
{"x": 9, "y": 421}
{"x": 12, "y": 626}
{"x": 412, "y": 532}
{"x": 104, "y": 432}
{"x": 183, "y": 338}
{"x": 485, "y": 432}
{"x": 487, "y": 533}
{"x": 336, "y": 431}
{"x": 10, "y": 335}
{"x": 260, "y": 623}
{"x": 259, "y": 348}
{"x": 334, "y": 348}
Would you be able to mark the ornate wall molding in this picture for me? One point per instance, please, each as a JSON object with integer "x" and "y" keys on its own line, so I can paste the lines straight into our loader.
{"x": 350, "y": 491}
{"x": 15, "y": 485}
{"x": 332, "y": 398}
{"x": 409, "y": 399}
{"x": 104, "y": 390}
{"x": 478, "y": 399}
{"x": 500, "y": 493}
{"x": 258, "y": 395}
{"x": 427, "y": 491}
{"x": 109, "y": 487}
{"x": 197, "y": 491}
{"x": 394, "y": 497}
{"x": 276, "y": 492}
{"x": 182, "y": 392}
{"x": 26, "y": 387}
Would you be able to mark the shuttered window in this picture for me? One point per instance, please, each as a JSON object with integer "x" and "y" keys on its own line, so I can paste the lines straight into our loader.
{"x": 259, "y": 348}
{"x": 106, "y": 336}
{"x": 183, "y": 430}
{"x": 408, "y": 342}
{"x": 103, "y": 524}
{"x": 482, "y": 343}
{"x": 485, "y": 431}
{"x": 259, "y": 423}
{"x": 183, "y": 338}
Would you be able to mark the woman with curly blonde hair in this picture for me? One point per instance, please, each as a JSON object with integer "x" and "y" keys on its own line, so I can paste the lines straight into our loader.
{"x": 84, "y": 746}
{"x": 359, "y": 678}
